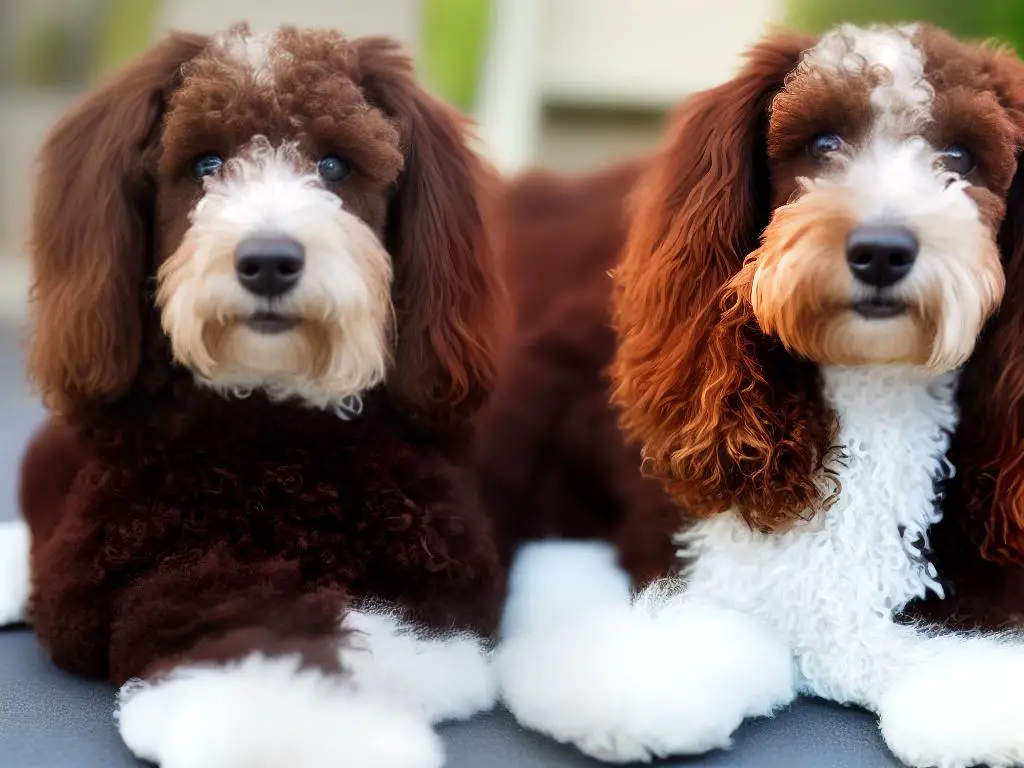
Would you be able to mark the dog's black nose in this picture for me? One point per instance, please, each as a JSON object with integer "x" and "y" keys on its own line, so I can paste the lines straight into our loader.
{"x": 269, "y": 265}
{"x": 881, "y": 255}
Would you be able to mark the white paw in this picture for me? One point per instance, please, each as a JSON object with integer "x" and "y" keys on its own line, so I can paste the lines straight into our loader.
{"x": 14, "y": 572}
{"x": 268, "y": 713}
{"x": 553, "y": 577}
{"x": 438, "y": 676}
{"x": 960, "y": 708}
{"x": 663, "y": 676}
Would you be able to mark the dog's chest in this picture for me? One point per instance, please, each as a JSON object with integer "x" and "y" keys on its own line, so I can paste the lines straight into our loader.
{"x": 829, "y": 583}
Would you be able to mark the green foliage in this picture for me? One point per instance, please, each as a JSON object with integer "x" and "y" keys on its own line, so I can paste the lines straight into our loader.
{"x": 59, "y": 50}
{"x": 47, "y": 56}
{"x": 977, "y": 19}
{"x": 125, "y": 29}
{"x": 454, "y": 35}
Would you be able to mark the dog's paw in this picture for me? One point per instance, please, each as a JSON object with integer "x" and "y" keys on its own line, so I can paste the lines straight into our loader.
{"x": 268, "y": 713}
{"x": 634, "y": 683}
{"x": 14, "y": 572}
{"x": 439, "y": 676}
{"x": 961, "y": 708}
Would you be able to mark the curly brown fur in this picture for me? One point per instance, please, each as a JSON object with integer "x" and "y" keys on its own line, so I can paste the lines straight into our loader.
{"x": 725, "y": 415}
{"x": 88, "y": 334}
{"x": 447, "y": 357}
{"x": 215, "y": 517}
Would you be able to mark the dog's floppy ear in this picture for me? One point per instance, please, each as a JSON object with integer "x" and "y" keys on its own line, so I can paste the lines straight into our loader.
{"x": 89, "y": 234}
{"x": 725, "y": 416}
{"x": 441, "y": 235}
{"x": 988, "y": 446}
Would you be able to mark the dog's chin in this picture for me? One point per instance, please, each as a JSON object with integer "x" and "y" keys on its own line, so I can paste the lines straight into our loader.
{"x": 257, "y": 350}
{"x": 285, "y": 356}
{"x": 868, "y": 332}
{"x": 271, "y": 346}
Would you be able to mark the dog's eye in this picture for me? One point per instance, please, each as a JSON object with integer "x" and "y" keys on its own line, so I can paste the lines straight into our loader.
{"x": 333, "y": 169}
{"x": 206, "y": 165}
{"x": 823, "y": 145}
{"x": 957, "y": 159}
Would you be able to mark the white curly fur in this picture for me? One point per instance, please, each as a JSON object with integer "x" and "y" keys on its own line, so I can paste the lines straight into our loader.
{"x": 626, "y": 681}
{"x": 440, "y": 676}
{"x": 904, "y": 97}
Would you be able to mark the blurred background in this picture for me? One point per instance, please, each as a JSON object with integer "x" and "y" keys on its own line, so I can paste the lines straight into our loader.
{"x": 570, "y": 84}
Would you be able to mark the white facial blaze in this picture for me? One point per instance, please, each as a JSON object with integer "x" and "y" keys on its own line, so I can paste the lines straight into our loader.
{"x": 902, "y": 98}
{"x": 256, "y": 53}
{"x": 340, "y": 344}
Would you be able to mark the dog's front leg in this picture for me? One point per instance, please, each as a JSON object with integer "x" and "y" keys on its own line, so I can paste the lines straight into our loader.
{"x": 957, "y": 703}
{"x": 233, "y": 663}
{"x": 628, "y": 679}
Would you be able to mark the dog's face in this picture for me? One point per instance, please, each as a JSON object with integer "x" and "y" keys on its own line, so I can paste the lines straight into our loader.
{"x": 889, "y": 168}
{"x": 271, "y": 197}
{"x": 302, "y": 216}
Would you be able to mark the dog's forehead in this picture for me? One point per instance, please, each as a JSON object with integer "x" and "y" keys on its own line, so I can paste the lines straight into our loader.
{"x": 286, "y": 65}
{"x": 268, "y": 57}
{"x": 284, "y": 85}
{"x": 897, "y": 81}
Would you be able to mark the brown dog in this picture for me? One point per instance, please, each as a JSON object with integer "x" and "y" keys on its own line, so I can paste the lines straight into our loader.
{"x": 265, "y": 309}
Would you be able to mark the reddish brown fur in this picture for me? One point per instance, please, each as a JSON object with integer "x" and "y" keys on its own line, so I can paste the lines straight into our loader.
{"x": 563, "y": 237}
{"x": 726, "y": 416}
{"x": 552, "y": 460}
{"x": 89, "y": 240}
{"x": 450, "y": 303}
{"x": 182, "y": 525}
{"x": 746, "y": 417}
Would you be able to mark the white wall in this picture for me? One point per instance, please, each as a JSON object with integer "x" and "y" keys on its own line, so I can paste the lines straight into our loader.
{"x": 645, "y": 52}
{"x": 619, "y": 53}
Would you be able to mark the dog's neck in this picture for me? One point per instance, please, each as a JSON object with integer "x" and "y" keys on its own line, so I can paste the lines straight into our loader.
{"x": 895, "y": 424}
